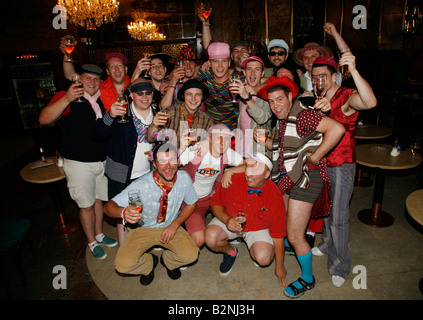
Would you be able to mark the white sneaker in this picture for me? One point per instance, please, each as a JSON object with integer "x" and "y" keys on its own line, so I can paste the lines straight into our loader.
{"x": 316, "y": 252}
{"x": 338, "y": 281}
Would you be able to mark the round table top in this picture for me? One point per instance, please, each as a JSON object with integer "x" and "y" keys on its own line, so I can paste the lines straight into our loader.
{"x": 414, "y": 204}
{"x": 379, "y": 156}
{"x": 372, "y": 131}
{"x": 44, "y": 174}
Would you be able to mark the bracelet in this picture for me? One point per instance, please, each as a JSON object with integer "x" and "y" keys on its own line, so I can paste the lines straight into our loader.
{"x": 121, "y": 215}
{"x": 172, "y": 87}
{"x": 227, "y": 169}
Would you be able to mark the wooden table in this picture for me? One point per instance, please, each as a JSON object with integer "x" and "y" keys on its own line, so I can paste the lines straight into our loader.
{"x": 414, "y": 204}
{"x": 372, "y": 131}
{"x": 369, "y": 132}
{"x": 378, "y": 156}
{"x": 51, "y": 175}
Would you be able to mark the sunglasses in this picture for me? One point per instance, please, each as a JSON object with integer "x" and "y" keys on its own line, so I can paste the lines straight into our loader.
{"x": 279, "y": 53}
{"x": 141, "y": 93}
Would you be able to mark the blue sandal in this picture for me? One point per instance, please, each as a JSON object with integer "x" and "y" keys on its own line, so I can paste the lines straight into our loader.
{"x": 298, "y": 292}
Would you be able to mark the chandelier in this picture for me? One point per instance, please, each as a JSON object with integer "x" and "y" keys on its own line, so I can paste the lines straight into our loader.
{"x": 143, "y": 30}
{"x": 90, "y": 13}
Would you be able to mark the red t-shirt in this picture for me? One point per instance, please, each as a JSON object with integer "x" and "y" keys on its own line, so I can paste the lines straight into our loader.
{"x": 266, "y": 211}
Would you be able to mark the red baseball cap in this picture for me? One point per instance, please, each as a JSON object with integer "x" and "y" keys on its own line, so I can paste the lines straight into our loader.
{"x": 118, "y": 55}
{"x": 274, "y": 81}
{"x": 252, "y": 58}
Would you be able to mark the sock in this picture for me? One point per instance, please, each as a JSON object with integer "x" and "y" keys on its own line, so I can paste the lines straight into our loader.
{"x": 99, "y": 237}
{"x": 286, "y": 243}
{"x": 306, "y": 269}
{"x": 233, "y": 254}
{"x": 310, "y": 233}
{"x": 92, "y": 245}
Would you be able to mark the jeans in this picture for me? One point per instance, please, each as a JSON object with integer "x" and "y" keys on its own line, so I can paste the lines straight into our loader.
{"x": 336, "y": 232}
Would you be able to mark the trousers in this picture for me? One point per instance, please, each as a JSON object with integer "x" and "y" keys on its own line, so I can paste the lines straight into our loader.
{"x": 133, "y": 258}
{"x": 336, "y": 231}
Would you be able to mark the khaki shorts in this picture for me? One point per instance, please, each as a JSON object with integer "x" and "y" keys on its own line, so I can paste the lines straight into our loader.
{"x": 250, "y": 236}
{"x": 86, "y": 181}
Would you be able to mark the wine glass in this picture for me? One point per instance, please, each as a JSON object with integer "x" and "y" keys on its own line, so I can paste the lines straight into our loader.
{"x": 134, "y": 201}
{"x": 180, "y": 64}
{"x": 69, "y": 48}
{"x": 122, "y": 98}
{"x": 146, "y": 56}
{"x": 415, "y": 147}
{"x": 232, "y": 81}
{"x": 205, "y": 10}
{"x": 192, "y": 139}
{"x": 319, "y": 85}
{"x": 77, "y": 80}
{"x": 242, "y": 220}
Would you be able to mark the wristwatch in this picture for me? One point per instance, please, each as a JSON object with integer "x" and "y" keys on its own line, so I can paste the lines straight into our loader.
{"x": 248, "y": 99}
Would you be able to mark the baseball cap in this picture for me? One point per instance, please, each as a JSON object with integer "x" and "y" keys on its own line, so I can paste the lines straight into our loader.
{"x": 329, "y": 61}
{"x": 220, "y": 129}
{"x": 252, "y": 58}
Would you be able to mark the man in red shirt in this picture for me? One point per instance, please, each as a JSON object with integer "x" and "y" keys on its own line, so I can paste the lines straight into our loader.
{"x": 263, "y": 206}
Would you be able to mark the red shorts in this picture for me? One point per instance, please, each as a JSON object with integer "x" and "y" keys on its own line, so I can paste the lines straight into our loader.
{"x": 197, "y": 221}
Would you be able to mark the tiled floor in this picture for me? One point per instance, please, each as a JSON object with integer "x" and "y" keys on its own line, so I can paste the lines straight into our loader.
{"x": 392, "y": 257}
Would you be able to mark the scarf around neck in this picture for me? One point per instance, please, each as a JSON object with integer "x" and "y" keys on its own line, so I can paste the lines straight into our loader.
{"x": 161, "y": 217}
{"x": 93, "y": 101}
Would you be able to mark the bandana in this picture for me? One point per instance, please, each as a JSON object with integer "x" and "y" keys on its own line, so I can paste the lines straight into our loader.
{"x": 161, "y": 217}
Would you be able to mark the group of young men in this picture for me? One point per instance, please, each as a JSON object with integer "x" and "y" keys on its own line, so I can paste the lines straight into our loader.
{"x": 281, "y": 185}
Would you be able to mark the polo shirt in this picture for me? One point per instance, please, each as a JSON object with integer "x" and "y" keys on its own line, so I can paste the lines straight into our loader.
{"x": 266, "y": 211}
{"x": 182, "y": 191}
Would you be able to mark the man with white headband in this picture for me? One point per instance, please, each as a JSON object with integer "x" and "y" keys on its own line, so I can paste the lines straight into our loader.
{"x": 260, "y": 201}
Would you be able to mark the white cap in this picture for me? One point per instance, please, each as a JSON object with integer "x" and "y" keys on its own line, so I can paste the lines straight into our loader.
{"x": 277, "y": 43}
{"x": 260, "y": 157}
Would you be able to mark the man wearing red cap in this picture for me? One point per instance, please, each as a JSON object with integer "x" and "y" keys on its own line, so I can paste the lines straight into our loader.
{"x": 305, "y": 140}
{"x": 116, "y": 68}
{"x": 346, "y": 103}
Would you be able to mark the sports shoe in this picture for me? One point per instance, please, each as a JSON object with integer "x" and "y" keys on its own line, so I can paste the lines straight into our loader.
{"x": 99, "y": 253}
{"x": 227, "y": 263}
{"x": 173, "y": 274}
{"x": 338, "y": 281}
{"x": 109, "y": 242}
{"x": 145, "y": 280}
{"x": 316, "y": 252}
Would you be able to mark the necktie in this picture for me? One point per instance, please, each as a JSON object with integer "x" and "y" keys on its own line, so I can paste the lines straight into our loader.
{"x": 161, "y": 217}
{"x": 251, "y": 191}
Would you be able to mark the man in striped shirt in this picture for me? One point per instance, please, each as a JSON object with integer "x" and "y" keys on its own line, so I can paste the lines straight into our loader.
{"x": 219, "y": 105}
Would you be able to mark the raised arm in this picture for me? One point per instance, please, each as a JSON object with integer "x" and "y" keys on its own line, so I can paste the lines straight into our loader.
{"x": 330, "y": 28}
{"x": 365, "y": 98}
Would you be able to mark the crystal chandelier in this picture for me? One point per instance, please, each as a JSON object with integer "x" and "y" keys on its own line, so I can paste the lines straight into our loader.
{"x": 143, "y": 30}
{"x": 90, "y": 13}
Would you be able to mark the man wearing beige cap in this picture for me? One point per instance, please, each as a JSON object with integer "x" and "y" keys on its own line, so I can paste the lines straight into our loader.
{"x": 259, "y": 201}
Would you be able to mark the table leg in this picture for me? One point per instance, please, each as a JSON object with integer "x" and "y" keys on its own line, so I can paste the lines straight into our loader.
{"x": 375, "y": 217}
{"x": 62, "y": 228}
{"x": 361, "y": 181}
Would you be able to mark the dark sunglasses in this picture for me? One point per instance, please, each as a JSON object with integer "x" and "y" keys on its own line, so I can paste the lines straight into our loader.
{"x": 141, "y": 93}
{"x": 279, "y": 53}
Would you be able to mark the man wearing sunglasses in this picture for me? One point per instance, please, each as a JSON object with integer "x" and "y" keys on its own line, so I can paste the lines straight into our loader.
{"x": 278, "y": 52}
{"x": 128, "y": 149}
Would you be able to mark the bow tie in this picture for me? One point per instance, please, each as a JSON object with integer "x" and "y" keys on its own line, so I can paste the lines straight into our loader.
{"x": 251, "y": 191}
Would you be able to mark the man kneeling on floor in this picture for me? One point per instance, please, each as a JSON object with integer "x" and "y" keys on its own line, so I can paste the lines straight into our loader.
{"x": 159, "y": 222}
{"x": 262, "y": 204}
